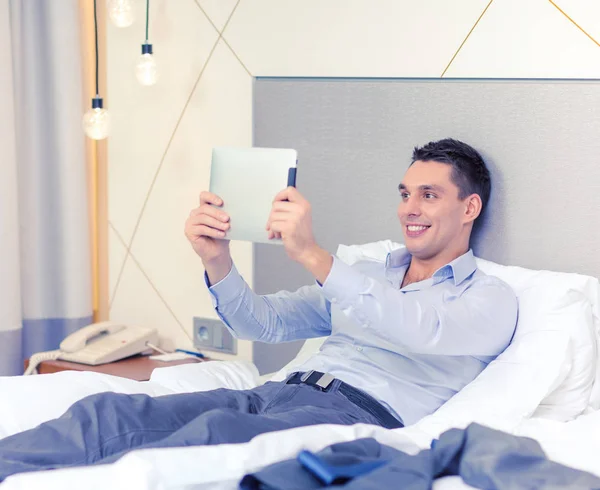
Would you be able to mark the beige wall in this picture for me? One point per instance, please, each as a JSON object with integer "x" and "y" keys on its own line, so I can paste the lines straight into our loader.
{"x": 209, "y": 50}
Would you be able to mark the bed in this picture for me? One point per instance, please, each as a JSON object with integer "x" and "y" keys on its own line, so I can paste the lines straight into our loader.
{"x": 544, "y": 386}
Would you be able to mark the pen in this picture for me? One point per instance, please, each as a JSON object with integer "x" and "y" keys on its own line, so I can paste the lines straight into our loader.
{"x": 191, "y": 353}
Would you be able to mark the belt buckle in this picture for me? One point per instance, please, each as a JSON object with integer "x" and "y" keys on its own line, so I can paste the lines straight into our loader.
{"x": 324, "y": 381}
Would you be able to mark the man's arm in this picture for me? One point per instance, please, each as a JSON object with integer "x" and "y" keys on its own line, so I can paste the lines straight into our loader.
{"x": 273, "y": 318}
{"x": 279, "y": 317}
{"x": 480, "y": 322}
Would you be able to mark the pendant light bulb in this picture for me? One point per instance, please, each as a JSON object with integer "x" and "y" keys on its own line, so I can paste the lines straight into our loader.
{"x": 145, "y": 69}
{"x": 96, "y": 121}
{"x": 120, "y": 12}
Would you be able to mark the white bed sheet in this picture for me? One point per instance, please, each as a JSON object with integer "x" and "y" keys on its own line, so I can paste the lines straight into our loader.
{"x": 574, "y": 443}
{"x": 27, "y": 401}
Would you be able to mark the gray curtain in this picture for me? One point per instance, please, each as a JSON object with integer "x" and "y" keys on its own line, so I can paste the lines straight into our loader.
{"x": 45, "y": 259}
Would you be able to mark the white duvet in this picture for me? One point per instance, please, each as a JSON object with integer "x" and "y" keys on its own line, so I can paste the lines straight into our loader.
{"x": 26, "y": 402}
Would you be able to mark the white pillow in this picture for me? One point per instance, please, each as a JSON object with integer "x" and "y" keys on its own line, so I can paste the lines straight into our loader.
{"x": 559, "y": 308}
{"x": 571, "y": 397}
{"x": 594, "y": 294}
{"x": 578, "y": 295}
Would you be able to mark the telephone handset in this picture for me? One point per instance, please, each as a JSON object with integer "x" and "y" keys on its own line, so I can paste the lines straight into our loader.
{"x": 105, "y": 342}
{"x": 99, "y": 343}
{"x": 78, "y": 340}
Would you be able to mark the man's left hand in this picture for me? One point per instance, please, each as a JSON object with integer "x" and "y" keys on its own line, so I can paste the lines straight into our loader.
{"x": 291, "y": 220}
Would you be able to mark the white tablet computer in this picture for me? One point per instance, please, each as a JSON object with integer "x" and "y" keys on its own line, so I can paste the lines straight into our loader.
{"x": 248, "y": 179}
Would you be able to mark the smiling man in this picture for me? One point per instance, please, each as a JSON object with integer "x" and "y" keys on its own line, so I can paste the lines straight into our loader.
{"x": 404, "y": 334}
{"x": 411, "y": 331}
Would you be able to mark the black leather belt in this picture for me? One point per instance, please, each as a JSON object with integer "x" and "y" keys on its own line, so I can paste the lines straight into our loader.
{"x": 362, "y": 400}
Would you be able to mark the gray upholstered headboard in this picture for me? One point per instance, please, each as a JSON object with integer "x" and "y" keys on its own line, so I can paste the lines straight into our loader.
{"x": 540, "y": 138}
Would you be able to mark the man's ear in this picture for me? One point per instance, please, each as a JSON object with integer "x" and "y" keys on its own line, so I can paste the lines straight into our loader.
{"x": 473, "y": 207}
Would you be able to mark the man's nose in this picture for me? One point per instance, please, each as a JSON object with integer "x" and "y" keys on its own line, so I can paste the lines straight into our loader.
{"x": 411, "y": 207}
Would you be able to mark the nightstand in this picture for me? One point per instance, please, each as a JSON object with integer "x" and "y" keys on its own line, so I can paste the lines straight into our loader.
{"x": 138, "y": 368}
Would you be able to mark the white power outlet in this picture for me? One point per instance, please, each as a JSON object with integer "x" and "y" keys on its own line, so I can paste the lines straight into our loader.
{"x": 211, "y": 334}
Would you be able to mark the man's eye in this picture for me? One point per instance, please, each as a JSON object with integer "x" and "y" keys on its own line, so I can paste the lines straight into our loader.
{"x": 429, "y": 195}
{"x": 404, "y": 195}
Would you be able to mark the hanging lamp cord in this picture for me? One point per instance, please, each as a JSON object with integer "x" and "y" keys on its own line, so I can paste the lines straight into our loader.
{"x": 96, "y": 36}
{"x": 147, "y": 16}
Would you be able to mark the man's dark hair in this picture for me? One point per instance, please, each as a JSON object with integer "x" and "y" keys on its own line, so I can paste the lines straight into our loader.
{"x": 469, "y": 172}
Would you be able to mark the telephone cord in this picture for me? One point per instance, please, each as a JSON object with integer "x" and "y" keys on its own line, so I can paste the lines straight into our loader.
{"x": 36, "y": 359}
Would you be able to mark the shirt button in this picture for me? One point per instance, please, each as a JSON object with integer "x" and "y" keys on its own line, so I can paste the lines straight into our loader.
{"x": 334, "y": 300}
{"x": 365, "y": 325}
{"x": 359, "y": 348}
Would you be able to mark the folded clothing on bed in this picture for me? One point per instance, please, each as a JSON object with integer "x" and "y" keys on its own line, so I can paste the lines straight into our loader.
{"x": 482, "y": 457}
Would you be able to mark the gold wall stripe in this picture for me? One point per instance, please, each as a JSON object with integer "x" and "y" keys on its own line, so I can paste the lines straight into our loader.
{"x": 465, "y": 40}
{"x": 575, "y": 23}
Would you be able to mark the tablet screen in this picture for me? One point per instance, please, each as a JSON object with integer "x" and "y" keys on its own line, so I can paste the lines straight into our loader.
{"x": 248, "y": 179}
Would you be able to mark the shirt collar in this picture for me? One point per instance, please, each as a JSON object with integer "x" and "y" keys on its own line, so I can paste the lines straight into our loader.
{"x": 462, "y": 267}
{"x": 397, "y": 258}
{"x": 459, "y": 269}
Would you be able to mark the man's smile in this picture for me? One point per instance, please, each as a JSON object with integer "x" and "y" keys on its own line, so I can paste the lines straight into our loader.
{"x": 414, "y": 231}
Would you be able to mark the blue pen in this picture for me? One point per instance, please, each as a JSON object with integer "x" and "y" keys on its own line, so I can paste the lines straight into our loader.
{"x": 191, "y": 353}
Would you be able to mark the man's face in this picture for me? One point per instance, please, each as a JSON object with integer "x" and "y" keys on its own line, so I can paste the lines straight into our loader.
{"x": 431, "y": 214}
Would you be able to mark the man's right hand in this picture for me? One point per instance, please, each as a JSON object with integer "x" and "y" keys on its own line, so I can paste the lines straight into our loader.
{"x": 205, "y": 229}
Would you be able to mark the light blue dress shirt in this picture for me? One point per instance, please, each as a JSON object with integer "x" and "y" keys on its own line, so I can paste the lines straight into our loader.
{"x": 410, "y": 348}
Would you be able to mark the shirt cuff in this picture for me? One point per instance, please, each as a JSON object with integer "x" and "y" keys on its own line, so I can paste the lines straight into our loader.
{"x": 227, "y": 289}
{"x": 343, "y": 284}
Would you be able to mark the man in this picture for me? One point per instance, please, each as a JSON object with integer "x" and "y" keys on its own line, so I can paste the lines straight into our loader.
{"x": 404, "y": 335}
